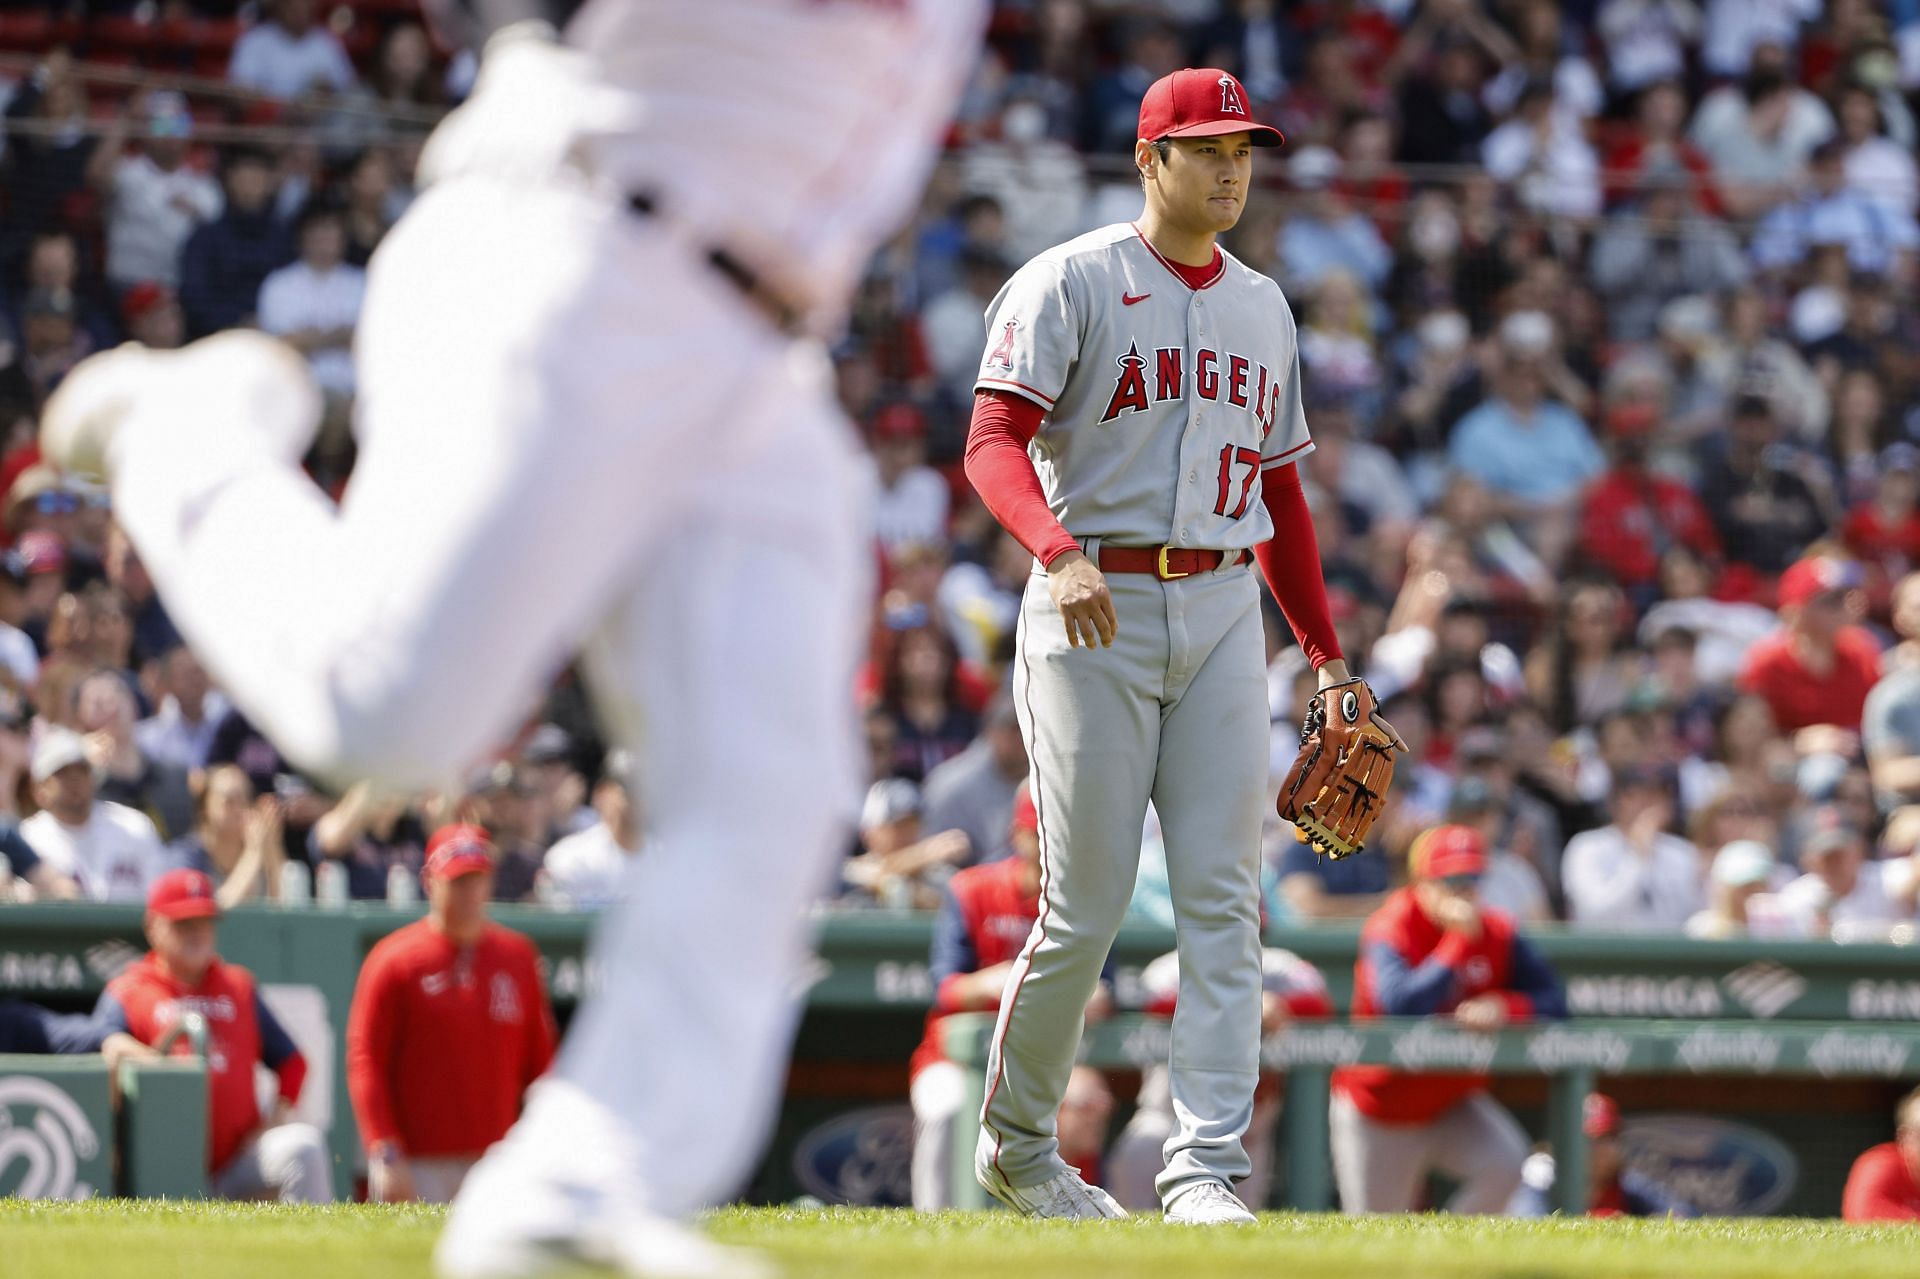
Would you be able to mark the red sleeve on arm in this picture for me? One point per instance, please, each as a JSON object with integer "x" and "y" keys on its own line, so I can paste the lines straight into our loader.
{"x": 293, "y": 1074}
{"x": 370, "y": 1034}
{"x": 1000, "y": 471}
{"x": 1309, "y": 1003}
{"x": 1291, "y": 563}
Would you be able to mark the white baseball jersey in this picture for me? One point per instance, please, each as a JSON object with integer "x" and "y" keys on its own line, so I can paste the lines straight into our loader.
{"x": 793, "y": 132}
{"x": 1164, "y": 402}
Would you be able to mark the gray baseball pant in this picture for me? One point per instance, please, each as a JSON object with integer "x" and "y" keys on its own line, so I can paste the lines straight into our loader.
{"x": 1176, "y": 713}
{"x": 1382, "y": 1167}
{"x": 288, "y": 1163}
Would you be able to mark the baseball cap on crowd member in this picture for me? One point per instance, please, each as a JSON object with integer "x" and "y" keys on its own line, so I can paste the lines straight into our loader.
{"x": 1200, "y": 102}
{"x": 183, "y": 893}
{"x": 1742, "y": 862}
{"x": 143, "y": 298}
{"x": 1527, "y": 333}
{"x": 1599, "y": 1115}
{"x": 461, "y": 849}
{"x": 35, "y": 483}
{"x": 890, "y": 800}
{"x": 1817, "y": 575}
{"x": 1313, "y": 168}
{"x": 1447, "y": 851}
{"x": 58, "y": 748}
{"x": 1471, "y": 797}
{"x": 1632, "y": 420}
{"x": 899, "y": 422}
{"x": 549, "y": 744}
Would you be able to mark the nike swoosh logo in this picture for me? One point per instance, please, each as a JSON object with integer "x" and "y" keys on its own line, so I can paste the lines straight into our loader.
{"x": 1128, "y": 299}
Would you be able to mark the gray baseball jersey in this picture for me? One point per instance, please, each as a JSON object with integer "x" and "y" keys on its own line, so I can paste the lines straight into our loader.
{"x": 1164, "y": 402}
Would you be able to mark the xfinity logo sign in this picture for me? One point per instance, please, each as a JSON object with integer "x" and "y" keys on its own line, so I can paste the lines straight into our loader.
{"x": 1557, "y": 1048}
{"x": 1742, "y": 1051}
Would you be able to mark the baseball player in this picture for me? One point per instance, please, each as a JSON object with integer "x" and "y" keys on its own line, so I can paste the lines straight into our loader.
{"x": 594, "y": 410}
{"x": 1433, "y": 950}
{"x": 1136, "y": 423}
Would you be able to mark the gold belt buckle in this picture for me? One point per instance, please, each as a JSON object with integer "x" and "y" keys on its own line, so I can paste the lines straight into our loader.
{"x": 1166, "y": 573}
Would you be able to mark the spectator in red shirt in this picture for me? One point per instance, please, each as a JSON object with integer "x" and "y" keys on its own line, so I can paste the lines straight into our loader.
{"x": 248, "y": 1157}
{"x": 448, "y": 1027}
{"x": 985, "y": 920}
{"x": 1631, "y": 515}
{"x": 1434, "y": 951}
{"x": 1885, "y": 1182}
{"x": 1819, "y": 666}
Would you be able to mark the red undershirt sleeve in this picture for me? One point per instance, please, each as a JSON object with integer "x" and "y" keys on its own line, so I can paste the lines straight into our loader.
{"x": 1291, "y": 563}
{"x": 1000, "y": 471}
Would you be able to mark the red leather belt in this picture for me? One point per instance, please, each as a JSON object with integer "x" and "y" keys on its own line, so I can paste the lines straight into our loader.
{"x": 1168, "y": 563}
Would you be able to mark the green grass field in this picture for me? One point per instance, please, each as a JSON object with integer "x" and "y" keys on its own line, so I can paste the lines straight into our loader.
{"x": 230, "y": 1241}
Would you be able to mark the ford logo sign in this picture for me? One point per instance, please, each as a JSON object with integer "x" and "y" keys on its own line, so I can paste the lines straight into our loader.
{"x": 862, "y": 1157}
{"x": 1722, "y": 1168}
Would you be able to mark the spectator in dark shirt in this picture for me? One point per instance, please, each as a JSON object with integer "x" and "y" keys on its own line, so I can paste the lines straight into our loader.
{"x": 225, "y": 260}
{"x": 49, "y": 167}
{"x": 1765, "y": 512}
{"x": 973, "y": 792}
{"x": 1315, "y": 887}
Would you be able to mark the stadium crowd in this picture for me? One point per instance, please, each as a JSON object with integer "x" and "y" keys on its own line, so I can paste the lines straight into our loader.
{"x": 1606, "y": 319}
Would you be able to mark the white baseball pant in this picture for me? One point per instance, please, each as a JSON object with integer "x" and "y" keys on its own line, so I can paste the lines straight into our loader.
{"x": 571, "y": 431}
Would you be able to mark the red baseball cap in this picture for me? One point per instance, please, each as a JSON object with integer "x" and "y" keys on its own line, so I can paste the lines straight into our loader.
{"x": 899, "y": 422}
{"x": 183, "y": 894}
{"x": 1599, "y": 1115}
{"x": 1446, "y": 851}
{"x": 1633, "y": 419}
{"x": 1814, "y": 576}
{"x": 1200, "y": 102}
{"x": 462, "y": 849}
{"x": 1025, "y": 815}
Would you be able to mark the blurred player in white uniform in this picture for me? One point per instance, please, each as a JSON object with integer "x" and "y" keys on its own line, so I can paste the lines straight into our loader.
{"x": 594, "y": 412}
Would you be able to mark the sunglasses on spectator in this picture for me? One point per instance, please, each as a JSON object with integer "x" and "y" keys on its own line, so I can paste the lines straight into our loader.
{"x": 57, "y": 503}
{"x": 1460, "y": 883}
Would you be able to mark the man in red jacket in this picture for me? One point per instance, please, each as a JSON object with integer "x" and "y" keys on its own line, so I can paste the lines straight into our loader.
{"x": 1885, "y": 1182}
{"x": 448, "y": 1027}
{"x": 247, "y": 1157}
{"x": 1433, "y": 950}
{"x": 988, "y": 912}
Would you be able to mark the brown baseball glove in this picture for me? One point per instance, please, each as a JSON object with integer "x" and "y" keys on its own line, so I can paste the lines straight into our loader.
{"x": 1337, "y": 786}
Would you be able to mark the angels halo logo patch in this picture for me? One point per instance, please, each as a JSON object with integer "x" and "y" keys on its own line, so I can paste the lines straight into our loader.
{"x": 1350, "y": 706}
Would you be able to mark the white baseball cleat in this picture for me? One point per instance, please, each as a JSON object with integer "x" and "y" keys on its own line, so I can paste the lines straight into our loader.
{"x": 1207, "y": 1203}
{"x": 1065, "y": 1196}
{"x": 243, "y": 381}
{"x": 644, "y": 1247}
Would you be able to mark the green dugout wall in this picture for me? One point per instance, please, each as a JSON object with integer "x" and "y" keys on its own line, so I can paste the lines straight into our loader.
{"x": 841, "y": 1129}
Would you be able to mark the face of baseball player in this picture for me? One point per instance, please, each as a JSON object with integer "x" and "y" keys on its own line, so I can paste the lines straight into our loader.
{"x": 1201, "y": 186}
{"x": 186, "y": 946}
{"x": 460, "y": 903}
